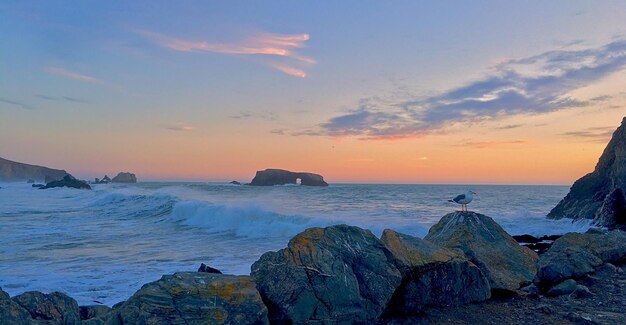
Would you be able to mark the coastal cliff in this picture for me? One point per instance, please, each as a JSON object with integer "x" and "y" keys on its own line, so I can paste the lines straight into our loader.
{"x": 11, "y": 171}
{"x": 599, "y": 195}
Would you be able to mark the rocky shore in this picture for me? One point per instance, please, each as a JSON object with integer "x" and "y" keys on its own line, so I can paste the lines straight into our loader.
{"x": 467, "y": 270}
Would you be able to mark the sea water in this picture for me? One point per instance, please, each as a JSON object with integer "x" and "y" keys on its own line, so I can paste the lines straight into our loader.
{"x": 102, "y": 245}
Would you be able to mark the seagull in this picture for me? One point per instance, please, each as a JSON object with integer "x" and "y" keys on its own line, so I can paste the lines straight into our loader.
{"x": 463, "y": 200}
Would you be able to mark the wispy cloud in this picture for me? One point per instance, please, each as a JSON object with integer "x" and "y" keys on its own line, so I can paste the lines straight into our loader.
{"x": 270, "y": 116}
{"x": 532, "y": 85}
{"x": 488, "y": 144}
{"x": 180, "y": 127}
{"x": 265, "y": 44}
{"x": 15, "y": 103}
{"x": 62, "y": 98}
{"x": 593, "y": 134}
{"x": 71, "y": 75}
{"x": 509, "y": 126}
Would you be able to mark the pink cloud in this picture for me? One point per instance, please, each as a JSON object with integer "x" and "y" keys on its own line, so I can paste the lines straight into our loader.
{"x": 265, "y": 44}
{"x": 71, "y": 75}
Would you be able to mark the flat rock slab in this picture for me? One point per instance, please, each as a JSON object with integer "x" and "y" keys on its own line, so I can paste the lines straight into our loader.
{"x": 506, "y": 264}
{"x": 193, "y": 298}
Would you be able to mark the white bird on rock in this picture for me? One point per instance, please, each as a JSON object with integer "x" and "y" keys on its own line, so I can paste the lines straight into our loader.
{"x": 464, "y": 200}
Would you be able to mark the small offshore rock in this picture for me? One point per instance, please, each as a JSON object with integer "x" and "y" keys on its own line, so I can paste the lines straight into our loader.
{"x": 566, "y": 287}
{"x": 68, "y": 181}
{"x": 207, "y": 269}
{"x": 526, "y": 239}
{"x": 38, "y": 185}
{"x": 124, "y": 177}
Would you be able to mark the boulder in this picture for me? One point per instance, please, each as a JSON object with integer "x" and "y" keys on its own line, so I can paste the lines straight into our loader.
{"x": 68, "y": 181}
{"x": 193, "y": 298}
{"x": 574, "y": 255}
{"x": 431, "y": 276}
{"x": 271, "y": 177}
{"x": 11, "y": 312}
{"x": 124, "y": 177}
{"x": 506, "y": 264}
{"x": 55, "y": 308}
{"x": 599, "y": 195}
{"x": 338, "y": 274}
{"x": 564, "y": 288}
{"x": 207, "y": 269}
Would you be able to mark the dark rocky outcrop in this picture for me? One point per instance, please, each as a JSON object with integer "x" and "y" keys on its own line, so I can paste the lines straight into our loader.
{"x": 271, "y": 177}
{"x": 124, "y": 177}
{"x": 339, "y": 274}
{"x": 507, "y": 265}
{"x": 193, "y": 298}
{"x": 207, "y": 269}
{"x": 234, "y": 183}
{"x": 68, "y": 181}
{"x": 431, "y": 276}
{"x": 574, "y": 255}
{"x": 38, "y": 185}
{"x": 599, "y": 195}
{"x": 11, "y": 171}
{"x": 11, "y": 312}
{"x": 55, "y": 308}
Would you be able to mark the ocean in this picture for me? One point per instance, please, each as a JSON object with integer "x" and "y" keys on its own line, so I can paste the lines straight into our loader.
{"x": 102, "y": 245}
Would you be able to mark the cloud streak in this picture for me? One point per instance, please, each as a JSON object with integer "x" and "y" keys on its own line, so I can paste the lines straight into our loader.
{"x": 15, "y": 103}
{"x": 268, "y": 45}
{"x": 71, "y": 75}
{"x": 510, "y": 90}
{"x": 180, "y": 127}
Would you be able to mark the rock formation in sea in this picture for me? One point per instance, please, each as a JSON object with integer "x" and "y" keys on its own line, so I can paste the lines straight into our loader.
{"x": 506, "y": 264}
{"x": 599, "y": 195}
{"x": 271, "y": 177}
{"x": 124, "y": 177}
{"x": 104, "y": 180}
{"x": 68, "y": 181}
{"x": 11, "y": 171}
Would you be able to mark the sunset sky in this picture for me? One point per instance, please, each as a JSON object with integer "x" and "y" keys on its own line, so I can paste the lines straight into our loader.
{"x": 489, "y": 92}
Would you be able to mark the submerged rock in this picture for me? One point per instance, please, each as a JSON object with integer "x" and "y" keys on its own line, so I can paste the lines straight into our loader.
{"x": 55, "y": 308}
{"x": 599, "y": 195}
{"x": 574, "y": 255}
{"x": 38, "y": 185}
{"x": 338, "y": 274}
{"x": 431, "y": 276}
{"x": 271, "y": 177}
{"x": 193, "y": 298}
{"x": 234, "y": 183}
{"x": 68, "y": 181}
{"x": 124, "y": 177}
{"x": 506, "y": 264}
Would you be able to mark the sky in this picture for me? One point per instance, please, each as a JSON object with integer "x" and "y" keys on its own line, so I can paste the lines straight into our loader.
{"x": 480, "y": 92}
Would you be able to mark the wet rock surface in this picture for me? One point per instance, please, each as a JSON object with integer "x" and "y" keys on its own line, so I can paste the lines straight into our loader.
{"x": 271, "y": 177}
{"x": 68, "y": 181}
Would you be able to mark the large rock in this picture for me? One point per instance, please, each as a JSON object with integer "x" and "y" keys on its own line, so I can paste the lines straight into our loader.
{"x": 574, "y": 255}
{"x": 11, "y": 312}
{"x": 599, "y": 195}
{"x": 431, "y": 276}
{"x": 11, "y": 171}
{"x": 124, "y": 177}
{"x": 338, "y": 274}
{"x": 68, "y": 181}
{"x": 193, "y": 298}
{"x": 507, "y": 265}
{"x": 271, "y": 177}
{"x": 54, "y": 308}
